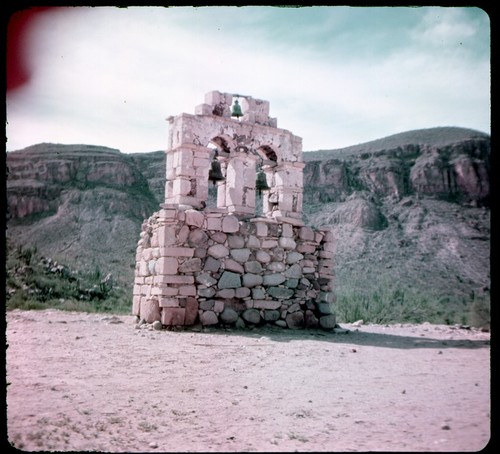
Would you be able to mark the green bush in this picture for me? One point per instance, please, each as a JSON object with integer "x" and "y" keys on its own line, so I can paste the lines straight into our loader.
{"x": 34, "y": 282}
{"x": 479, "y": 314}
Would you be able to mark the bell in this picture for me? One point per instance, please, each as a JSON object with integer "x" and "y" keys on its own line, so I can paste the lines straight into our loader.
{"x": 236, "y": 112}
{"x": 215, "y": 172}
{"x": 261, "y": 183}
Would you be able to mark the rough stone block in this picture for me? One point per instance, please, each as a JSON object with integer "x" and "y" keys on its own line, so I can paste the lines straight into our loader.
{"x": 197, "y": 237}
{"x": 287, "y": 230}
{"x": 146, "y": 290}
{"x": 263, "y": 256}
{"x": 295, "y": 271}
{"x": 226, "y": 293}
{"x": 327, "y": 297}
{"x": 150, "y": 310}
{"x": 218, "y": 237}
{"x": 205, "y": 279}
{"x": 166, "y": 235}
{"x": 268, "y": 244}
{"x": 295, "y": 320}
{"x": 167, "y": 279}
{"x": 294, "y": 257}
{"x": 136, "y": 305}
{"x": 176, "y": 252}
{"x": 271, "y": 315}
{"x": 276, "y": 267}
{"x": 251, "y": 316}
{"x": 207, "y": 305}
{"x": 273, "y": 279}
{"x": 218, "y": 251}
{"x": 173, "y": 316}
{"x": 191, "y": 314}
{"x": 230, "y": 224}
{"x": 240, "y": 255}
{"x": 252, "y": 280}
{"x": 167, "y": 213}
{"x": 206, "y": 292}
{"x": 253, "y": 242}
{"x": 168, "y": 302}
{"x": 229, "y": 280}
{"x": 142, "y": 268}
{"x": 306, "y": 233}
{"x": 327, "y": 321}
{"x": 203, "y": 109}
{"x": 266, "y": 304}
{"x": 214, "y": 224}
{"x": 310, "y": 320}
{"x": 195, "y": 218}
{"x": 218, "y": 306}
{"x": 235, "y": 241}
{"x": 164, "y": 290}
{"x": 228, "y": 315}
{"x": 187, "y": 290}
{"x": 258, "y": 293}
{"x": 293, "y": 308}
{"x": 330, "y": 246}
{"x": 233, "y": 265}
{"x": 306, "y": 248}
{"x": 166, "y": 265}
{"x": 292, "y": 283}
{"x": 261, "y": 229}
{"x": 253, "y": 266}
{"x": 212, "y": 264}
{"x": 242, "y": 292}
{"x": 190, "y": 265}
{"x": 208, "y": 318}
{"x": 287, "y": 243}
{"x": 280, "y": 292}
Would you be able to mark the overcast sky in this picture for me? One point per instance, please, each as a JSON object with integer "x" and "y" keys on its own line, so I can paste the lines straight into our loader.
{"x": 335, "y": 76}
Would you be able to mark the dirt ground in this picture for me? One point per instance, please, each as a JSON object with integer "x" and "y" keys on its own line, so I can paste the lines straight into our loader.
{"x": 80, "y": 382}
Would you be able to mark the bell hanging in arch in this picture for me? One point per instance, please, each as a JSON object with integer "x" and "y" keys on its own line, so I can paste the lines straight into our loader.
{"x": 236, "y": 111}
{"x": 215, "y": 172}
{"x": 261, "y": 182}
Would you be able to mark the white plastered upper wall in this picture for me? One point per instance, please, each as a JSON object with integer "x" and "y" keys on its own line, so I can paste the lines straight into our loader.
{"x": 254, "y": 133}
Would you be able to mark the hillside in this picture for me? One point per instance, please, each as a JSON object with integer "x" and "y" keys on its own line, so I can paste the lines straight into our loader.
{"x": 80, "y": 205}
{"x": 410, "y": 211}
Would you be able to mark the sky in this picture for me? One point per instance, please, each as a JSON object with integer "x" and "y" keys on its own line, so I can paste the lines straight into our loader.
{"x": 334, "y": 75}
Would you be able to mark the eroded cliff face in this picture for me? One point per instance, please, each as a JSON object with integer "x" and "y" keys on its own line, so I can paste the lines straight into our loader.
{"x": 78, "y": 204}
{"x": 457, "y": 172}
{"x": 416, "y": 216}
{"x": 38, "y": 175}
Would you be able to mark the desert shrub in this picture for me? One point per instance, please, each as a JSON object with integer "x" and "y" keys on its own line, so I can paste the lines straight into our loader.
{"x": 35, "y": 282}
{"x": 479, "y": 312}
{"x": 383, "y": 306}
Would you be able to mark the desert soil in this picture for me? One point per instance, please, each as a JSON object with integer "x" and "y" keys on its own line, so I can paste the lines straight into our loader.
{"x": 80, "y": 382}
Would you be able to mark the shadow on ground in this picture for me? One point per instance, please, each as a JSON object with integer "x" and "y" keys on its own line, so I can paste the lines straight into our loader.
{"x": 356, "y": 337}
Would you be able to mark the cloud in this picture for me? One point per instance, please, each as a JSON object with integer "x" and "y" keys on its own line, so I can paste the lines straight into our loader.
{"x": 335, "y": 76}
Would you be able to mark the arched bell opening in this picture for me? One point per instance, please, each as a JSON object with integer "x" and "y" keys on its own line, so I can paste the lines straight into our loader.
{"x": 220, "y": 150}
{"x": 267, "y": 199}
{"x": 269, "y": 156}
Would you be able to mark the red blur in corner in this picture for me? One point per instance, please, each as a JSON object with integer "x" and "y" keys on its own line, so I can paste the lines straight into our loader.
{"x": 17, "y": 64}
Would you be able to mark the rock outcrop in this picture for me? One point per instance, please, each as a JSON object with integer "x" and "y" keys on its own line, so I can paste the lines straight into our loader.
{"x": 456, "y": 172}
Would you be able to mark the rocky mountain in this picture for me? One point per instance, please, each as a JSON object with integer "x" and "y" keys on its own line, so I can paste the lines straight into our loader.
{"x": 411, "y": 211}
{"x": 78, "y": 204}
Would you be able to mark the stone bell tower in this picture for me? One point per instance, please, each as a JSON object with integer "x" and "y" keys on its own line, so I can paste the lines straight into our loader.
{"x": 224, "y": 265}
{"x": 236, "y": 131}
